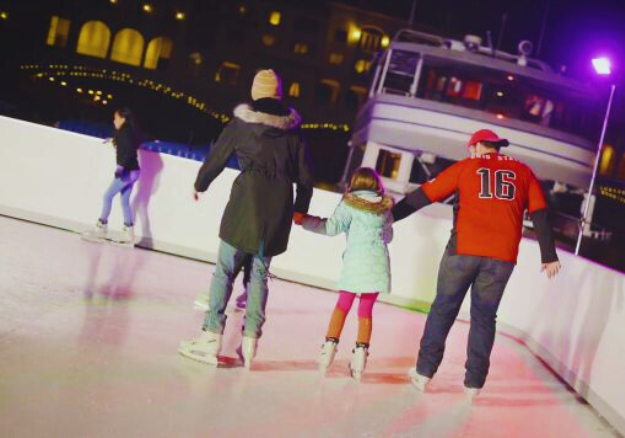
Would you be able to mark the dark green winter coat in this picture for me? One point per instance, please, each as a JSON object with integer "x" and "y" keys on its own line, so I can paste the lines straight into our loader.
{"x": 272, "y": 156}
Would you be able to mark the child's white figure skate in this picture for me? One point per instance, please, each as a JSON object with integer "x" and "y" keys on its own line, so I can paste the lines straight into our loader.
{"x": 204, "y": 349}
{"x": 359, "y": 360}
{"x": 127, "y": 237}
{"x": 202, "y": 301}
{"x": 472, "y": 393}
{"x": 247, "y": 351}
{"x": 419, "y": 381}
{"x": 326, "y": 356}
{"x": 98, "y": 233}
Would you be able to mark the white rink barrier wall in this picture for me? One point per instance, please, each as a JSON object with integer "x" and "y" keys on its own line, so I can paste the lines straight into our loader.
{"x": 575, "y": 322}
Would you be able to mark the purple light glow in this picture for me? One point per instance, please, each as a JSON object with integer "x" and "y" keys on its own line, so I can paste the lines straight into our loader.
{"x": 602, "y": 66}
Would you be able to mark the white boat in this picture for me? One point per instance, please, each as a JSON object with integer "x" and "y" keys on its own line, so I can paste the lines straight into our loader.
{"x": 429, "y": 94}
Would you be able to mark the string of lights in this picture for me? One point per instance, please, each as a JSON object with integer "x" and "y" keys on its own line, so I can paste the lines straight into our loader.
{"x": 61, "y": 73}
{"x": 615, "y": 193}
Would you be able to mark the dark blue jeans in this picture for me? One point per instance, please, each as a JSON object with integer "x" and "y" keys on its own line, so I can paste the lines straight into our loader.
{"x": 487, "y": 278}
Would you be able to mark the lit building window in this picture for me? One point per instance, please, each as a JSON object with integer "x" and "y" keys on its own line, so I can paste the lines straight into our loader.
{"x": 228, "y": 73}
{"x": 59, "y": 32}
{"x": 274, "y": 18}
{"x": 242, "y": 10}
{"x": 180, "y": 16}
{"x": 327, "y": 91}
{"x": 300, "y": 48}
{"x": 608, "y": 161}
{"x": 4, "y": 15}
{"x": 113, "y": 1}
{"x": 294, "y": 89}
{"x": 128, "y": 47}
{"x": 362, "y": 65}
{"x": 94, "y": 39}
{"x": 370, "y": 39}
{"x": 336, "y": 58}
{"x": 147, "y": 8}
{"x": 355, "y": 97}
{"x": 196, "y": 58}
{"x": 158, "y": 54}
{"x": 269, "y": 40}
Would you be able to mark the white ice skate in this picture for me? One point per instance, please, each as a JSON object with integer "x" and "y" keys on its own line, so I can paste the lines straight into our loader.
{"x": 202, "y": 301}
{"x": 326, "y": 356}
{"x": 247, "y": 351}
{"x": 127, "y": 237}
{"x": 359, "y": 361}
{"x": 97, "y": 234}
{"x": 204, "y": 349}
{"x": 419, "y": 381}
{"x": 472, "y": 393}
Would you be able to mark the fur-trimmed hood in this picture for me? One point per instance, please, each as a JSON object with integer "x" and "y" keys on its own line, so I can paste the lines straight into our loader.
{"x": 372, "y": 204}
{"x": 245, "y": 113}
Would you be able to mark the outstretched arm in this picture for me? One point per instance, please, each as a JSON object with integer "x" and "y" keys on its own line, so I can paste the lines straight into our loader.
{"x": 439, "y": 188}
{"x": 338, "y": 223}
{"x": 217, "y": 158}
{"x": 413, "y": 202}
{"x": 540, "y": 216}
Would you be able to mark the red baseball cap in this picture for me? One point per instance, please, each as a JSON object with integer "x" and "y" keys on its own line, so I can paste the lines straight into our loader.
{"x": 488, "y": 136}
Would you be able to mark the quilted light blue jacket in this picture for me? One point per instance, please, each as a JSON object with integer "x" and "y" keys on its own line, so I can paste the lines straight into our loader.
{"x": 366, "y": 219}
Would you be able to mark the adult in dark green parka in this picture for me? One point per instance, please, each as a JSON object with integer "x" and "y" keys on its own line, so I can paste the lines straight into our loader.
{"x": 267, "y": 141}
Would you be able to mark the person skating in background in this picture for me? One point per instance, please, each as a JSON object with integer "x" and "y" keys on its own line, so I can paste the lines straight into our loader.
{"x": 364, "y": 215}
{"x": 126, "y": 142}
{"x": 493, "y": 191}
{"x": 267, "y": 141}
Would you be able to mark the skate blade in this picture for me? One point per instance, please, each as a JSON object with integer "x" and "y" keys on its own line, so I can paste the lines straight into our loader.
{"x": 122, "y": 244}
{"x": 200, "y": 359}
{"x": 200, "y": 306}
{"x": 93, "y": 239}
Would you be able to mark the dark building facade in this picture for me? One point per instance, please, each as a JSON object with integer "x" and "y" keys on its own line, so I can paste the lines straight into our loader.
{"x": 202, "y": 53}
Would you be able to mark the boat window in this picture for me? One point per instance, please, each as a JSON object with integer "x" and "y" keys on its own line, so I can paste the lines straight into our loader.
{"x": 388, "y": 164}
{"x": 507, "y": 96}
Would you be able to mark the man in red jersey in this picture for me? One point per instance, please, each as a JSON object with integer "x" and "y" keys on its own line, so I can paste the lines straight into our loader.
{"x": 492, "y": 193}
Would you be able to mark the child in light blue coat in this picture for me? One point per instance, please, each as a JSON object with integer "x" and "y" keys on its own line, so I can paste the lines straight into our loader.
{"x": 364, "y": 215}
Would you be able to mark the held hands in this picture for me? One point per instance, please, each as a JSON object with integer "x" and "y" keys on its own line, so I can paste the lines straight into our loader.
{"x": 298, "y": 217}
{"x": 551, "y": 269}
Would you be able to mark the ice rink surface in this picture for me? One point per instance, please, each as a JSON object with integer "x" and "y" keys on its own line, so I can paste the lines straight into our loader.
{"x": 88, "y": 347}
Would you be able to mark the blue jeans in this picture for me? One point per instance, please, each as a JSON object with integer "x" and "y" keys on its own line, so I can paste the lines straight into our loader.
{"x": 123, "y": 185}
{"x": 229, "y": 262}
{"x": 487, "y": 278}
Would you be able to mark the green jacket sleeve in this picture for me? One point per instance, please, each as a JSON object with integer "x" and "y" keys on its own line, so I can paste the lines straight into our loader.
{"x": 217, "y": 158}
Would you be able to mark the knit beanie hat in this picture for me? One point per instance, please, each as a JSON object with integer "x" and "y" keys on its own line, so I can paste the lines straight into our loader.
{"x": 266, "y": 84}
